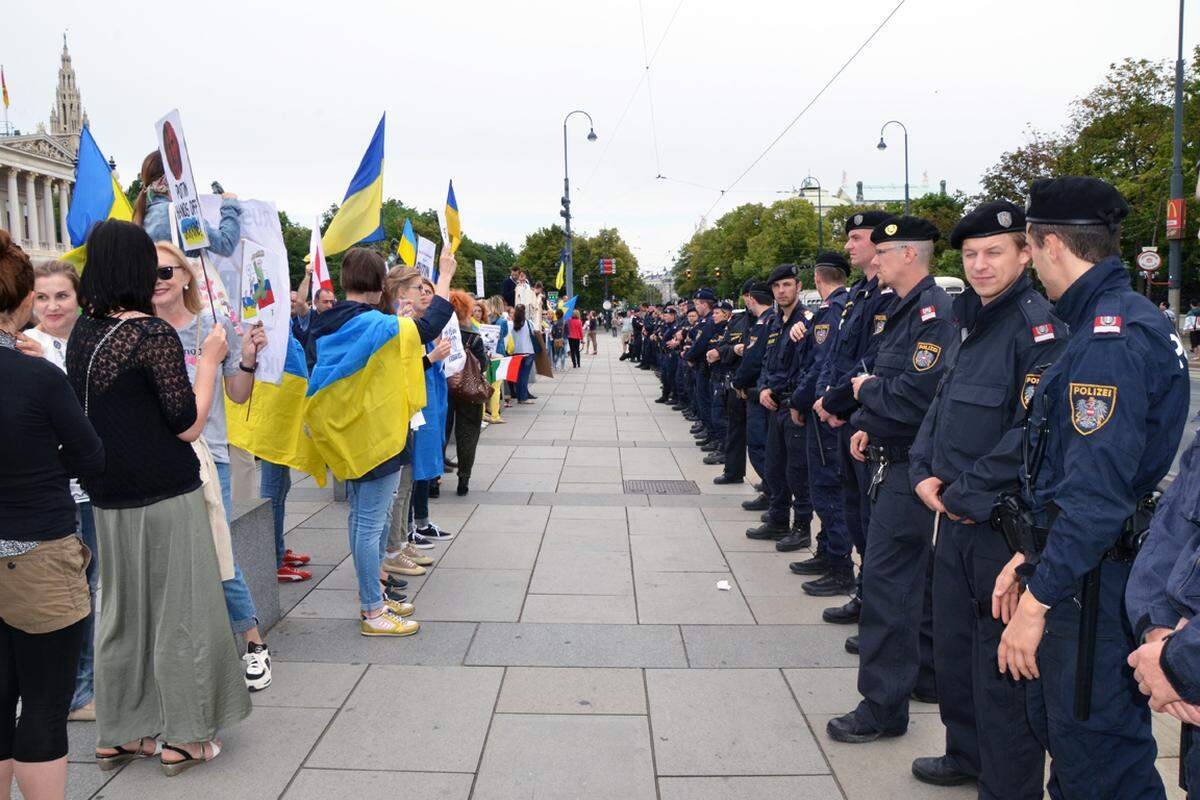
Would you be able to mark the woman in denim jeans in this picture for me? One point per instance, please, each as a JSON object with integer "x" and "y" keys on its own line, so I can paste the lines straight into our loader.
{"x": 370, "y": 495}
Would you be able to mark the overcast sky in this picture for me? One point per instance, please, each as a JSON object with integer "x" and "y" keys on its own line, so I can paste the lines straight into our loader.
{"x": 279, "y": 100}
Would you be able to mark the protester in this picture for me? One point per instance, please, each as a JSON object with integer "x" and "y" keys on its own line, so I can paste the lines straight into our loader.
{"x": 558, "y": 340}
{"x": 165, "y": 662}
{"x": 523, "y": 336}
{"x": 150, "y": 210}
{"x": 575, "y": 337}
{"x": 56, "y": 307}
{"x": 45, "y": 606}
{"x": 508, "y": 289}
{"x": 465, "y": 418}
{"x": 493, "y": 308}
{"x": 1193, "y": 317}
{"x": 592, "y": 324}
{"x": 177, "y": 301}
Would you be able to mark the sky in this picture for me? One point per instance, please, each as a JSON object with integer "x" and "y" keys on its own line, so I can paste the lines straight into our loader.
{"x": 279, "y": 100}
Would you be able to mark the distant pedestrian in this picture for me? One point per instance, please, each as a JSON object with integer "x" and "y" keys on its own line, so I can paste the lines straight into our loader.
{"x": 575, "y": 337}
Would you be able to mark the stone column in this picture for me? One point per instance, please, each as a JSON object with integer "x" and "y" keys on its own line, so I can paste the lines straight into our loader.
{"x": 31, "y": 202}
{"x": 14, "y": 206}
{"x": 48, "y": 212}
{"x": 62, "y": 212}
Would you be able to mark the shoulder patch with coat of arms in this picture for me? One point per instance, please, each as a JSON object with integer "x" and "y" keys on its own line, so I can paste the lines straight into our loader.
{"x": 928, "y": 313}
{"x": 1042, "y": 333}
{"x": 1092, "y": 406}
{"x": 926, "y": 356}
{"x": 880, "y": 321}
{"x": 1106, "y": 324}
{"x": 821, "y": 333}
{"x": 1032, "y": 379}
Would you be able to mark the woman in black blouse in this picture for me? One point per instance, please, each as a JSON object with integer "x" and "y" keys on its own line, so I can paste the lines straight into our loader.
{"x": 43, "y": 587}
{"x": 165, "y": 662}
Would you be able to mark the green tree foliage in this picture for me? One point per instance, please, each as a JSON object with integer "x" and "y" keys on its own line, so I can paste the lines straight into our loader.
{"x": 540, "y": 255}
{"x": 1121, "y": 132}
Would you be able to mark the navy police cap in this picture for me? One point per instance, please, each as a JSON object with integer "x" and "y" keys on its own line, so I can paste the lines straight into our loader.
{"x": 905, "y": 229}
{"x": 866, "y": 219}
{"x": 1075, "y": 201}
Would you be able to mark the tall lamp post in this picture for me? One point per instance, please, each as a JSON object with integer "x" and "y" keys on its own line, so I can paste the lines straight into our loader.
{"x": 566, "y": 200}
{"x": 883, "y": 146}
{"x": 1174, "y": 253}
{"x": 808, "y": 181}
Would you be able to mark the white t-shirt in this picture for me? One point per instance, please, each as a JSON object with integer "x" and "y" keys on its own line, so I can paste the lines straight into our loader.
{"x": 54, "y": 350}
{"x": 215, "y": 435}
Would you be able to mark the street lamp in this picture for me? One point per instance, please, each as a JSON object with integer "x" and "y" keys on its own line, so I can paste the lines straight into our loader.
{"x": 805, "y": 184}
{"x": 883, "y": 146}
{"x": 566, "y": 200}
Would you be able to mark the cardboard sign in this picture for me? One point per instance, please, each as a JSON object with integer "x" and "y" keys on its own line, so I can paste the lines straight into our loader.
{"x": 457, "y": 359}
{"x": 177, "y": 168}
{"x": 425, "y": 253}
{"x": 491, "y": 337}
{"x": 479, "y": 278}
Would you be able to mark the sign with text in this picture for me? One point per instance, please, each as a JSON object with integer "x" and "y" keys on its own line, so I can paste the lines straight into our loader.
{"x": 608, "y": 266}
{"x": 457, "y": 359}
{"x": 177, "y": 169}
{"x": 491, "y": 337}
{"x": 1176, "y": 218}
{"x": 425, "y": 252}
{"x": 479, "y": 279}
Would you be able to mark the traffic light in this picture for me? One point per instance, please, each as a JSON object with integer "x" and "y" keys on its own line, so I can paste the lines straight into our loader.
{"x": 687, "y": 273}
{"x": 718, "y": 272}
{"x": 566, "y": 208}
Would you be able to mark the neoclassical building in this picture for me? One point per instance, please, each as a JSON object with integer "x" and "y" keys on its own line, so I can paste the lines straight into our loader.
{"x": 37, "y": 171}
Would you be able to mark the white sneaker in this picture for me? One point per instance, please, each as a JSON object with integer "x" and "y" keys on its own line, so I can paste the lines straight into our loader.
{"x": 418, "y": 541}
{"x": 258, "y": 666}
{"x": 434, "y": 533}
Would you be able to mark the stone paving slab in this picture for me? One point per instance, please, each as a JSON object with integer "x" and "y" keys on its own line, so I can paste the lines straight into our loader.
{"x": 775, "y": 788}
{"x": 338, "y": 641}
{"x": 494, "y": 595}
{"x": 689, "y": 598}
{"x": 491, "y": 551}
{"x": 567, "y": 645}
{"x": 538, "y": 690}
{"x": 581, "y": 608}
{"x": 767, "y": 646}
{"x": 322, "y": 784}
{"x": 297, "y": 684}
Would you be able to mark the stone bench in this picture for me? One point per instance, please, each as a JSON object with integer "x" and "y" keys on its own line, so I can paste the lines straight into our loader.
{"x": 253, "y": 536}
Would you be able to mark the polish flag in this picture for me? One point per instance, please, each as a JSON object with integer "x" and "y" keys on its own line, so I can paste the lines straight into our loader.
{"x": 320, "y": 278}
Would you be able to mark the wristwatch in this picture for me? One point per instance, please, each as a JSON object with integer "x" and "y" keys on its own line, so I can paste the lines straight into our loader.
{"x": 251, "y": 369}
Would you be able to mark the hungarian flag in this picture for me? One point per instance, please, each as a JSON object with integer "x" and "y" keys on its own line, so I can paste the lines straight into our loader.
{"x": 316, "y": 254}
{"x": 4, "y": 87}
{"x": 504, "y": 369}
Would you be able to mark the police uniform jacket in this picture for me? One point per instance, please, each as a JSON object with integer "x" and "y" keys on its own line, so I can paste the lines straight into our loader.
{"x": 699, "y": 346}
{"x": 910, "y": 358}
{"x": 1108, "y": 415}
{"x": 746, "y": 376}
{"x": 714, "y": 343}
{"x": 735, "y": 334}
{"x": 817, "y": 348}
{"x": 862, "y": 322}
{"x": 984, "y": 396}
{"x": 779, "y": 368}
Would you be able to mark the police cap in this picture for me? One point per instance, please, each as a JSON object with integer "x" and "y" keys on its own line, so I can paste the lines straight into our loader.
{"x": 747, "y": 285}
{"x": 705, "y": 294}
{"x": 905, "y": 229}
{"x": 866, "y": 219}
{"x": 989, "y": 219}
{"x": 1075, "y": 201}
{"x": 761, "y": 291}
{"x": 725, "y": 305}
{"x": 782, "y": 272}
{"x": 832, "y": 258}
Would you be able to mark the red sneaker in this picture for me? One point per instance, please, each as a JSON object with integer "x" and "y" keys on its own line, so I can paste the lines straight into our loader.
{"x": 289, "y": 574}
{"x": 295, "y": 559}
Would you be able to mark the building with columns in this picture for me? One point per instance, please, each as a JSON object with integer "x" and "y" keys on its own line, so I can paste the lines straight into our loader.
{"x": 37, "y": 172}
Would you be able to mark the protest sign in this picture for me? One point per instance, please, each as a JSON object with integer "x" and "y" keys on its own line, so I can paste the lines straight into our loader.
{"x": 177, "y": 168}
{"x": 491, "y": 337}
{"x": 457, "y": 359}
{"x": 479, "y": 278}
{"x": 425, "y": 253}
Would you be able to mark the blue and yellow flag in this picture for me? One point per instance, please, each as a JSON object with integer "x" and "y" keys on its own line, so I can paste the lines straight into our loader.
{"x": 561, "y": 280}
{"x": 360, "y": 218}
{"x": 567, "y": 307}
{"x": 407, "y": 250}
{"x": 453, "y": 223}
{"x": 271, "y": 423}
{"x": 364, "y": 389}
{"x": 97, "y": 196}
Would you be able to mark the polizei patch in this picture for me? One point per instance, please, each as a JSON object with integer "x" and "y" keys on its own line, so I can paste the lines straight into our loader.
{"x": 821, "y": 333}
{"x": 880, "y": 321}
{"x": 1092, "y": 406}
{"x": 1029, "y": 387}
{"x": 925, "y": 356}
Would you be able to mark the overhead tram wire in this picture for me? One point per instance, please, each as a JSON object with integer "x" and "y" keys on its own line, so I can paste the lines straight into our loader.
{"x": 649, "y": 91}
{"x": 807, "y": 106}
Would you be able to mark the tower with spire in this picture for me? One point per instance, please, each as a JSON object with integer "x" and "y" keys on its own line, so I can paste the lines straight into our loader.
{"x": 67, "y": 117}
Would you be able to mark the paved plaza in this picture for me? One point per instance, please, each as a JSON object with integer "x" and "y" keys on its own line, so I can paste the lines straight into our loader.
{"x": 574, "y": 643}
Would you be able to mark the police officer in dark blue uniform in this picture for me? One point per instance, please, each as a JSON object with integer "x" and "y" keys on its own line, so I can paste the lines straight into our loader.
{"x": 1104, "y": 425}
{"x": 824, "y": 471}
{"x": 745, "y": 381}
{"x": 729, "y": 356}
{"x": 683, "y": 372}
{"x": 853, "y": 353}
{"x": 961, "y": 461}
{"x": 1162, "y": 595}
{"x": 787, "y": 457}
{"x": 702, "y": 393}
{"x": 917, "y": 340}
{"x": 666, "y": 357}
{"x": 714, "y": 375}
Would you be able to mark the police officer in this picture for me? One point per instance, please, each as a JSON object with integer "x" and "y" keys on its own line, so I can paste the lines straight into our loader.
{"x": 853, "y": 353}
{"x": 910, "y": 358}
{"x": 722, "y": 313}
{"x": 787, "y": 457}
{"x": 683, "y": 372}
{"x": 745, "y": 381}
{"x": 650, "y": 324}
{"x": 1160, "y": 598}
{"x": 702, "y": 393}
{"x": 729, "y": 355}
{"x": 958, "y": 465}
{"x": 824, "y": 471}
{"x": 662, "y": 335}
{"x": 1103, "y": 427}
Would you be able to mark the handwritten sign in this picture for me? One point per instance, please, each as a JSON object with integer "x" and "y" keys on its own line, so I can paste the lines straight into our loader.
{"x": 181, "y": 186}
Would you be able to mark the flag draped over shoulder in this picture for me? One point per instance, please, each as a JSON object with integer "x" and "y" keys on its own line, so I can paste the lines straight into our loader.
{"x": 97, "y": 196}
{"x": 365, "y": 388}
{"x": 407, "y": 249}
{"x": 504, "y": 369}
{"x": 271, "y": 424}
{"x": 453, "y": 223}
{"x": 360, "y": 217}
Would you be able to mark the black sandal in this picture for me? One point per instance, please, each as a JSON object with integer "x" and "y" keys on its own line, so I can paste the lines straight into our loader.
{"x": 173, "y": 768}
{"x": 123, "y": 756}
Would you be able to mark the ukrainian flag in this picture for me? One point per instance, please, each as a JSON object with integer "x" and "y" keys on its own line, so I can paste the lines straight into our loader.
{"x": 408, "y": 245}
{"x": 567, "y": 306}
{"x": 360, "y": 218}
{"x": 97, "y": 196}
{"x": 561, "y": 280}
{"x": 365, "y": 388}
{"x": 453, "y": 223}
{"x": 271, "y": 423}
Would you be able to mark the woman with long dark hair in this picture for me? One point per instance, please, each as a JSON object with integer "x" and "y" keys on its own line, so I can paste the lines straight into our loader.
{"x": 150, "y": 210}
{"x": 463, "y": 417}
{"x": 523, "y": 334}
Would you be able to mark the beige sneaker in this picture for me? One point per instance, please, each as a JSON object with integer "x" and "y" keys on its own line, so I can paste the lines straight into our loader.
{"x": 401, "y": 564}
{"x": 414, "y": 555}
{"x": 399, "y": 609}
{"x": 387, "y": 624}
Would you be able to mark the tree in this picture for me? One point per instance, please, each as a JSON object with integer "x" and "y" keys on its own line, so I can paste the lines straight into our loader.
{"x": 540, "y": 256}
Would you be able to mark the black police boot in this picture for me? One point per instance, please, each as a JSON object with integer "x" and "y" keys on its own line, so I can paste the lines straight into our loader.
{"x": 853, "y": 729}
{"x": 817, "y": 565}
{"x": 767, "y": 531}
{"x": 852, "y": 644}
{"x": 925, "y": 695}
{"x": 677, "y": 406}
{"x": 711, "y": 446}
{"x": 758, "y": 487}
{"x": 800, "y": 537}
{"x": 939, "y": 771}
{"x": 763, "y": 517}
{"x": 662, "y": 400}
{"x": 714, "y": 457}
{"x": 839, "y": 581}
{"x": 843, "y": 615}
{"x": 723, "y": 479}
{"x": 699, "y": 426}
{"x": 690, "y": 415}
{"x": 760, "y": 503}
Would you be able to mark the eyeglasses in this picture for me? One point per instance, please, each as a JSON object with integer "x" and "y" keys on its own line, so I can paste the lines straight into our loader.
{"x": 166, "y": 273}
{"x": 882, "y": 252}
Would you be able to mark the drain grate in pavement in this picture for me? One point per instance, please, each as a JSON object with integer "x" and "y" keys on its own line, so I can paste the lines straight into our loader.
{"x": 661, "y": 487}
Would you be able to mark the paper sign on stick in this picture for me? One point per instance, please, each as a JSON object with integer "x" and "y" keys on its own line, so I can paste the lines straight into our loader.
{"x": 177, "y": 168}
{"x": 425, "y": 253}
{"x": 479, "y": 279}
